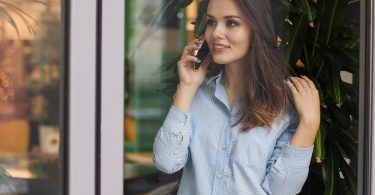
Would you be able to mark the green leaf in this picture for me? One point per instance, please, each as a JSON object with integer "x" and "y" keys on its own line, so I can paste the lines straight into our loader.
{"x": 319, "y": 147}
{"x": 328, "y": 171}
{"x": 349, "y": 176}
{"x": 348, "y": 137}
{"x": 353, "y": 1}
{"x": 5, "y": 15}
{"x": 295, "y": 38}
{"x": 350, "y": 150}
{"x": 200, "y": 22}
{"x": 18, "y": 10}
{"x": 304, "y": 4}
{"x": 341, "y": 116}
{"x": 325, "y": 115}
{"x": 332, "y": 15}
{"x": 335, "y": 85}
{"x": 290, "y": 7}
{"x": 349, "y": 58}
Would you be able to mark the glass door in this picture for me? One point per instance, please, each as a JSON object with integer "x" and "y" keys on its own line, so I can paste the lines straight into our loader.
{"x": 154, "y": 37}
{"x": 31, "y": 79}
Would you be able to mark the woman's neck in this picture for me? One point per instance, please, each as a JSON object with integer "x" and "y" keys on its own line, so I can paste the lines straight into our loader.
{"x": 233, "y": 82}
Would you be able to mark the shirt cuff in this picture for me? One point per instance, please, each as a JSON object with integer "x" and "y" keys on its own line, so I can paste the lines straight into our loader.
{"x": 177, "y": 122}
{"x": 297, "y": 157}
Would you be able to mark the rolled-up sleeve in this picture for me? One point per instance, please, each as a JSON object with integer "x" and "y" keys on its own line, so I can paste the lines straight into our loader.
{"x": 170, "y": 149}
{"x": 288, "y": 167}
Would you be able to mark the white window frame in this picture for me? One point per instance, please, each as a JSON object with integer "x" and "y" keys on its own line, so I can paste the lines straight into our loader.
{"x": 95, "y": 50}
{"x": 112, "y": 102}
{"x": 82, "y": 98}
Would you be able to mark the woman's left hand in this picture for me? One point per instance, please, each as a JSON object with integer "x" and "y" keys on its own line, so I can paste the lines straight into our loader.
{"x": 307, "y": 103}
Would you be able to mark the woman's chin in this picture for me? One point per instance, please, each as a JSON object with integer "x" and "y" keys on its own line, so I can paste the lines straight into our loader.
{"x": 218, "y": 60}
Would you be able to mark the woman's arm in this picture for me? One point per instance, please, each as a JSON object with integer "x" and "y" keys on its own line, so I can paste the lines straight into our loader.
{"x": 306, "y": 100}
{"x": 170, "y": 150}
{"x": 288, "y": 166}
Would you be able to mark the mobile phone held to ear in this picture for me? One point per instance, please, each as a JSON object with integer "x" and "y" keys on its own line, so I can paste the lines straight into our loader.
{"x": 201, "y": 55}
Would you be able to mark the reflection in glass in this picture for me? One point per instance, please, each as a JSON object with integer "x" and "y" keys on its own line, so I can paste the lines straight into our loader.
{"x": 29, "y": 96}
{"x": 157, "y": 39}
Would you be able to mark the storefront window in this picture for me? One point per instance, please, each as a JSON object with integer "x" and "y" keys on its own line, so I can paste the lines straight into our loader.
{"x": 320, "y": 39}
{"x": 30, "y": 63}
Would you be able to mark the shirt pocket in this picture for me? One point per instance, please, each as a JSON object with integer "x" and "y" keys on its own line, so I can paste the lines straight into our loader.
{"x": 251, "y": 149}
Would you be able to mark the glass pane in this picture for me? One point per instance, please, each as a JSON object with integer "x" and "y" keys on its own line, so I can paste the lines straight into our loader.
{"x": 160, "y": 38}
{"x": 319, "y": 39}
{"x": 30, "y": 62}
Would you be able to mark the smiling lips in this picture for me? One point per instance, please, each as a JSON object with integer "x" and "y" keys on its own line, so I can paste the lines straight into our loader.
{"x": 218, "y": 47}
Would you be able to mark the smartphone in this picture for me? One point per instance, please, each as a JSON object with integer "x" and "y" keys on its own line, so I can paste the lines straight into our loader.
{"x": 202, "y": 54}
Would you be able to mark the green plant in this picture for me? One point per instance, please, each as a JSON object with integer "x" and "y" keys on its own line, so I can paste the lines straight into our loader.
{"x": 8, "y": 8}
{"x": 321, "y": 41}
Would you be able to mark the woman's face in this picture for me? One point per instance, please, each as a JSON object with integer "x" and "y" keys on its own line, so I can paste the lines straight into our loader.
{"x": 227, "y": 32}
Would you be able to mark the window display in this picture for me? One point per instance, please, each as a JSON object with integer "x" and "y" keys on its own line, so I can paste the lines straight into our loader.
{"x": 30, "y": 66}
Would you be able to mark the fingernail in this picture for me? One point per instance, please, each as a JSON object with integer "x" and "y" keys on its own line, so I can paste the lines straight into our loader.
{"x": 198, "y": 61}
{"x": 195, "y": 52}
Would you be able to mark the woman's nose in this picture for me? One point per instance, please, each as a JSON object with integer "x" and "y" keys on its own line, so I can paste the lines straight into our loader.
{"x": 218, "y": 32}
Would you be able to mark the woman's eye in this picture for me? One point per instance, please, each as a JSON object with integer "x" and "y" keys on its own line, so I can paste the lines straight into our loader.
{"x": 210, "y": 22}
{"x": 231, "y": 23}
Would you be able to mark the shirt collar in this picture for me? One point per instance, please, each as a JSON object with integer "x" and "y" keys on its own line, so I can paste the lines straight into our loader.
{"x": 215, "y": 77}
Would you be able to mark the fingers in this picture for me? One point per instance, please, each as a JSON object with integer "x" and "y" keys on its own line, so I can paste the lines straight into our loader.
{"x": 292, "y": 88}
{"x": 196, "y": 41}
{"x": 309, "y": 82}
{"x": 301, "y": 85}
{"x": 189, "y": 51}
{"x": 193, "y": 47}
{"x": 188, "y": 58}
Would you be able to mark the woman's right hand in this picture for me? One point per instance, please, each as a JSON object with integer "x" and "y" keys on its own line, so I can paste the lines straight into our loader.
{"x": 188, "y": 76}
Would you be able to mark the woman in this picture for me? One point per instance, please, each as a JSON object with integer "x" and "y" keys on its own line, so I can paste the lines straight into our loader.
{"x": 243, "y": 130}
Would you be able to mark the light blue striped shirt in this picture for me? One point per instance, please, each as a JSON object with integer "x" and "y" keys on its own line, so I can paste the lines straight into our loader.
{"x": 217, "y": 159}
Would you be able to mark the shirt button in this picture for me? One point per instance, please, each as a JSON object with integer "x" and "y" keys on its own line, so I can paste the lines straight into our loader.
{"x": 182, "y": 124}
{"x": 219, "y": 176}
{"x": 223, "y": 147}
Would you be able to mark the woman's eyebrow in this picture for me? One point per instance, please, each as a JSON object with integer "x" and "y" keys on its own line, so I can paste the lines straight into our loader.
{"x": 226, "y": 17}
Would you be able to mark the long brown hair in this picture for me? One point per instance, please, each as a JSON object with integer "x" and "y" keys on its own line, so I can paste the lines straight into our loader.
{"x": 265, "y": 96}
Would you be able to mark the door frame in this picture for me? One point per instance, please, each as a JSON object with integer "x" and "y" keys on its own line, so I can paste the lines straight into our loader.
{"x": 93, "y": 100}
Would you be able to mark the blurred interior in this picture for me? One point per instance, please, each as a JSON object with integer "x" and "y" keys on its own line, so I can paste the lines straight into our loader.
{"x": 29, "y": 95}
